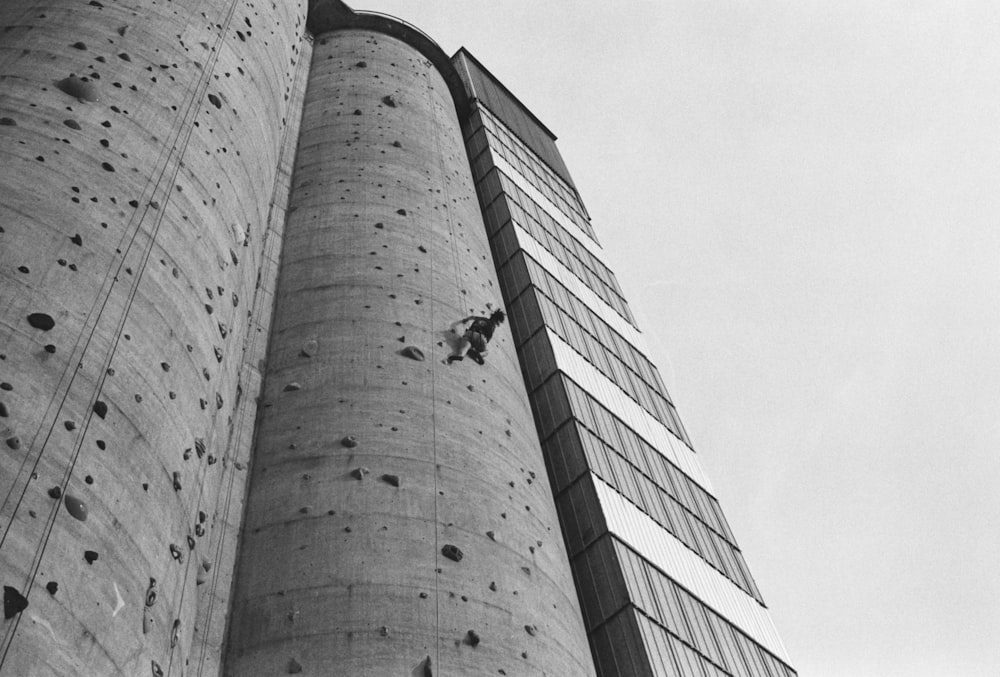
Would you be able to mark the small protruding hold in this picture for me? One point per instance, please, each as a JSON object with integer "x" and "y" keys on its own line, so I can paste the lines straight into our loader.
{"x": 157, "y": 670}
{"x": 90, "y": 556}
{"x": 8, "y": 122}
{"x": 69, "y": 425}
{"x": 349, "y": 441}
{"x": 397, "y": 144}
{"x": 55, "y": 492}
{"x": 52, "y": 587}
{"x": 151, "y": 593}
{"x": 291, "y": 387}
{"x": 359, "y": 473}
{"x": 309, "y": 348}
{"x": 412, "y": 352}
{"x": 423, "y": 669}
{"x": 77, "y": 239}
{"x": 14, "y": 442}
{"x": 175, "y": 633}
{"x": 293, "y": 667}
{"x": 392, "y": 480}
{"x": 531, "y": 630}
{"x": 422, "y": 249}
{"x": 177, "y": 480}
{"x": 101, "y": 408}
{"x": 199, "y": 446}
{"x": 81, "y": 89}
{"x": 472, "y": 638}
{"x": 121, "y": 30}
{"x": 491, "y": 535}
{"x": 401, "y": 212}
{"x": 361, "y": 64}
{"x": 4, "y": 413}
{"x": 177, "y": 553}
{"x": 76, "y": 507}
{"x": 72, "y": 124}
{"x": 389, "y": 101}
{"x": 41, "y": 321}
{"x": 452, "y": 552}
{"x": 13, "y": 602}
{"x": 357, "y": 111}
{"x": 215, "y": 100}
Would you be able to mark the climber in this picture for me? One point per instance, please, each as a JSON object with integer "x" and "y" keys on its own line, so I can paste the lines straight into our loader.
{"x": 476, "y": 336}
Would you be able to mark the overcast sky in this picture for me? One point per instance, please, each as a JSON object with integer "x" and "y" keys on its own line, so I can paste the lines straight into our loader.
{"x": 801, "y": 200}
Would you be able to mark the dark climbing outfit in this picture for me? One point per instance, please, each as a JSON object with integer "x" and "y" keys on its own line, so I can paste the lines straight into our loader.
{"x": 478, "y": 335}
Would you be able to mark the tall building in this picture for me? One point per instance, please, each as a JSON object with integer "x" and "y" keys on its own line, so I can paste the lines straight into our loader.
{"x": 238, "y": 244}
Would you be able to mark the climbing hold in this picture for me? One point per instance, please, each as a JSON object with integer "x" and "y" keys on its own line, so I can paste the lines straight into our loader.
{"x": 41, "y": 321}
{"x": 293, "y": 667}
{"x": 175, "y": 633}
{"x": 309, "y": 348}
{"x": 90, "y": 556}
{"x": 55, "y": 492}
{"x": 361, "y": 64}
{"x": 349, "y": 441}
{"x": 72, "y": 124}
{"x": 70, "y": 425}
{"x": 165, "y": 366}
{"x": 401, "y": 212}
{"x": 389, "y": 101}
{"x": 199, "y": 446}
{"x": 100, "y": 408}
{"x": 413, "y": 353}
{"x": 76, "y": 507}
{"x": 452, "y": 552}
{"x": 423, "y": 669}
{"x": 359, "y": 473}
{"x": 223, "y": 329}
{"x": 492, "y": 535}
{"x": 422, "y": 249}
{"x": 8, "y": 122}
{"x": 218, "y": 401}
{"x": 121, "y": 30}
{"x": 157, "y": 670}
{"x": 531, "y": 630}
{"x": 52, "y": 587}
{"x": 397, "y": 144}
{"x": 384, "y": 631}
{"x": 218, "y": 354}
{"x": 293, "y": 386}
{"x": 391, "y": 479}
{"x": 81, "y": 89}
{"x": 471, "y": 638}
{"x": 493, "y": 586}
{"x": 177, "y": 553}
{"x": 13, "y": 602}
{"x": 177, "y": 480}
{"x": 3, "y": 410}
{"x": 357, "y": 111}
{"x": 151, "y": 592}
{"x": 14, "y": 443}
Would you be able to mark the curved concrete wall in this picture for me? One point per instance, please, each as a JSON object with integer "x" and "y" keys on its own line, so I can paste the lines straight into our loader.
{"x": 140, "y": 144}
{"x": 343, "y": 567}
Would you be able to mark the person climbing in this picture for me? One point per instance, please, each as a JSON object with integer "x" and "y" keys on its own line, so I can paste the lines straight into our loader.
{"x": 476, "y": 336}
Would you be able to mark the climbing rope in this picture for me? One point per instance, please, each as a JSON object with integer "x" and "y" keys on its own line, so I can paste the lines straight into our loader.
{"x": 182, "y": 133}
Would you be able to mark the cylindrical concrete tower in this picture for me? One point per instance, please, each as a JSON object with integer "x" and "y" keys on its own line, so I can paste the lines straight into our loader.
{"x": 140, "y": 150}
{"x": 399, "y": 521}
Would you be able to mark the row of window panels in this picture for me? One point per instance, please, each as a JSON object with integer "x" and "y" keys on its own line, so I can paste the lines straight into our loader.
{"x": 519, "y": 207}
{"x": 690, "y": 638}
{"x": 539, "y": 311}
{"x": 500, "y": 198}
{"x": 676, "y": 611}
{"x": 655, "y": 501}
{"x": 586, "y": 333}
{"x": 573, "y": 449}
{"x": 518, "y": 153}
{"x": 560, "y": 399}
{"x": 547, "y": 182}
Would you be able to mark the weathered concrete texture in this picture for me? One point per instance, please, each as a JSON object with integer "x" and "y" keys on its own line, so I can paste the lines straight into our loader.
{"x": 139, "y": 152}
{"x": 370, "y": 464}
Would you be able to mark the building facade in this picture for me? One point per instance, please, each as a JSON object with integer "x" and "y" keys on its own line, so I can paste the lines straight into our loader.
{"x": 237, "y": 244}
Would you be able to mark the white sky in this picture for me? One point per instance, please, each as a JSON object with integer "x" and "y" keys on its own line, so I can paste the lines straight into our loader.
{"x": 801, "y": 200}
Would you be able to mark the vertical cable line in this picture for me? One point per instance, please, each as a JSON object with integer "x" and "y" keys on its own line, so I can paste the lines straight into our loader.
{"x": 272, "y": 243}
{"x": 200, "y": 85}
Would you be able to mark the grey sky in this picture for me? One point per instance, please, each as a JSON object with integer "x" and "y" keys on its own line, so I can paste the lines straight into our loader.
{"x": 801, "y": 200}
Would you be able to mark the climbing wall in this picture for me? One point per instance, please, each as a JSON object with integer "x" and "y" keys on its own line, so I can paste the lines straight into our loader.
{"x": 398, "y": 519}
{"x": 140, "y": 146}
